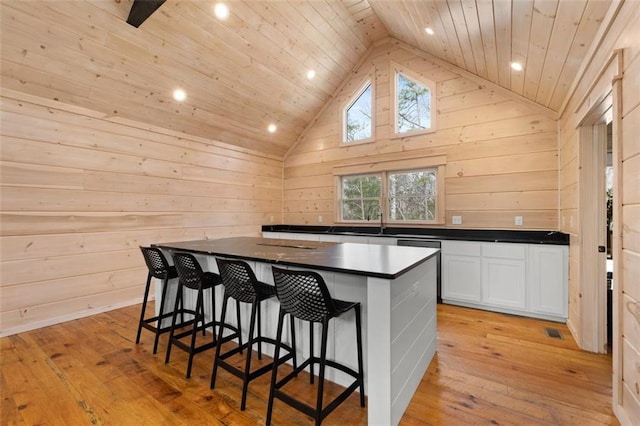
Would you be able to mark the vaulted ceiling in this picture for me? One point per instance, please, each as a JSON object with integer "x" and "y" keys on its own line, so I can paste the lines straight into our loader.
{"x": 249, "y": 70}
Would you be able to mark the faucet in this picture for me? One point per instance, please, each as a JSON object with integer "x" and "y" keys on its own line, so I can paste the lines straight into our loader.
{"x": 381, "y": 219}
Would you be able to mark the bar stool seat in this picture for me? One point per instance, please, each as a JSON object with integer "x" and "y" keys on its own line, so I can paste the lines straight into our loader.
{"x": 158, "y": 268}
{"x": 304, "y": 295}
{"x": 240, "y": 283}
{"x": 193, "y": 278}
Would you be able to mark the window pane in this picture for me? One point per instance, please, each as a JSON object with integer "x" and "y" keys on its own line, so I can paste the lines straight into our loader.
{"x": 366, "y": 186}
{"x": 413, "y": 105}
{"x": 412, "y": 195}
{"x": 361, "y": 197}
{"x": 358, "y": 117}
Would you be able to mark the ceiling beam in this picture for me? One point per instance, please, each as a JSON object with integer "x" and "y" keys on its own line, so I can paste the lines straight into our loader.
{"x": 141, "y": 10}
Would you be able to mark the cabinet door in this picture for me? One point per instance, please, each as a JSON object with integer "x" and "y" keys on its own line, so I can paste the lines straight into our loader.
{"x": 461, "y": 278}
{"x": 504, "y": 283}
{"x": 269, "y": 234}
{"x": 354, "y": 239}
{"x": 548, "y": 281}
{"x": 330, "y": 238}
{"x": 383, "y": 241}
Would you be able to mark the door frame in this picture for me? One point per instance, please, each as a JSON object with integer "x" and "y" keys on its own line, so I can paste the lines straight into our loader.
{"x": 592, "y": 219}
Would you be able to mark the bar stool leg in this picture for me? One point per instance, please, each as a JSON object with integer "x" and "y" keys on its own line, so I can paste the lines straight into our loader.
{"x": 238, "y": 325}
{"x": 199, "y": 314}
{"x": 274, "y": 371}
{"x": 214, "y": 372}
{"x": 144, "y": 308}
{"x": 213, "y": 311}
{"x": 165, "y": 284}
{"x": 259, "y": 332}
{"x": 255, "y": 308}
{"x": 293, "y": 343}
{"x": 178, "y": 304}
{"x": 360, "y": 363}
{"x": 311, "y": 351}
{"x": 323, "y": 359}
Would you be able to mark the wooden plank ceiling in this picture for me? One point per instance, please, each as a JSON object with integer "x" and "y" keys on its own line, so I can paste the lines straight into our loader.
{"x": 250, "y": 70}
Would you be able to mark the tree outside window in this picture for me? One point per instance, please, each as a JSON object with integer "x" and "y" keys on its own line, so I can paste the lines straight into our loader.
{"x": 413, "y": 105}
{"x": 358, "y": 117}
{"x": 412, "y": 195}
{"x": 361, "y": 196}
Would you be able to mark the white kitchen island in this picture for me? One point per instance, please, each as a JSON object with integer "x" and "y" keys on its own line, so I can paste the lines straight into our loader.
{"x": 395, "y": 285}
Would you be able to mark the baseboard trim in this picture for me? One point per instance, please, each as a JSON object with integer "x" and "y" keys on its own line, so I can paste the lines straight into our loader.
{"x": 69, "y": 317}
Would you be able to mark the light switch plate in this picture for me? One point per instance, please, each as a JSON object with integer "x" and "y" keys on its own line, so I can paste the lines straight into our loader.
{"x": 456, "y": 220}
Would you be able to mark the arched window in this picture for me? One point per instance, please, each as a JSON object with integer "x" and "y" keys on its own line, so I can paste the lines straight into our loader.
{"x": 358, "y": 116}
{"x": 414, "y": 102}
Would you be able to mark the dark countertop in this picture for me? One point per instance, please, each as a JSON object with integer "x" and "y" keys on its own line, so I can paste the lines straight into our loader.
{"x": 489, "y": 235}
{"x": 387, "y": 262}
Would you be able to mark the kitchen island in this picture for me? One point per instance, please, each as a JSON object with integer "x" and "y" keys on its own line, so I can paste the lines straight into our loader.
{"x": 395, "y": 285}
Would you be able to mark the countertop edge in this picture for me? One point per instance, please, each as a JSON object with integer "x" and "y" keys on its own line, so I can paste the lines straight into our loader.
{"x": 483, "y": 235}
{"x": 168, "y": 246}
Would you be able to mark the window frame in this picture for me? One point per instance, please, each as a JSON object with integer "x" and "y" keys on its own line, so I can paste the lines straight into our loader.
{"x": 399, "y": 69}
{"x": 384, "y": 168}
{"x": 351, "y": 100}
{"x": 340, "y": 199}
{"x": 388, "y": 194}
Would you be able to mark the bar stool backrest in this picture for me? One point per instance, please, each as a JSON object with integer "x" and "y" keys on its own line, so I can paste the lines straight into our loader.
{"x": 189, "y": 270}
{"x": 238, "y": 279}
{"x": 156, "y": 262}
{"x": 303, "y": 294}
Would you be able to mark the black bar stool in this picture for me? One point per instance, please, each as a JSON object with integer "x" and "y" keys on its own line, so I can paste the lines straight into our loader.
{"x": 192, "y": 277}
{"x": 304, "y": 295}
{"x": 240, "y": 283}
{"x": 158, "y": 268}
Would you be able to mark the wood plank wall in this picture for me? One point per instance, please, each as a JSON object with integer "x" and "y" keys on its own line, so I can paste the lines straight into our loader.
{"x": 625, "y": 35}
{"x": 81, "y": 192}
{"x": 501, "y": 154}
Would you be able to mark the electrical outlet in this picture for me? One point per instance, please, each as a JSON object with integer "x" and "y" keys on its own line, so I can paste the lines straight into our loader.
{"x": 456, "y": 220}
{"x": 519, "y": 220}
{"x": 320, "y": 219}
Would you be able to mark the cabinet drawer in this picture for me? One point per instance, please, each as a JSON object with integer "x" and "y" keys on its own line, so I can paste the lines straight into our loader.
{"x": 461, "y": 248}
{"x": 504, "y": 251}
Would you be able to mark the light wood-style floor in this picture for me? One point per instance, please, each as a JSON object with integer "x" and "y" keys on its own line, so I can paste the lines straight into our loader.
{"x": 489, "y": 369}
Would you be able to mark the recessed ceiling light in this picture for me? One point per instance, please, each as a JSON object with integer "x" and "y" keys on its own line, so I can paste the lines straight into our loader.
{"x": 221, "y": 10}
{"x": 179, "y": 95}
{"x": 516, "y": 66}
{"x": 428, "y": 30}
{"x": 311, "y": 74}
{"x": 272, "y": 128}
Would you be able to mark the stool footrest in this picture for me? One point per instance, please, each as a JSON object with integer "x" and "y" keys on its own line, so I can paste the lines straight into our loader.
{"x": 187, "y": 348}
{"x": 316, "y": 360}
{"x": 239, "y": 349}
{"x": 311, "y": 411}
{"x": 146, "y": 323}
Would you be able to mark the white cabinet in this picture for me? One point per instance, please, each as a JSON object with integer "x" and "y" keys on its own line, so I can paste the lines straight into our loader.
{"x": 269, "y": 234}
{"x": 521, "y": 279}
{"x": 548, "y": 290}
{"x": 331, "y": 238}
{"x": 504, "y": 275}
{"x": 461, "y": 268}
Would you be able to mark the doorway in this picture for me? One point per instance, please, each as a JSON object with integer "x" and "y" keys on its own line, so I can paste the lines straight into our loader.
{"x": 609, "y": 182}
{"x": 596, "y": 310}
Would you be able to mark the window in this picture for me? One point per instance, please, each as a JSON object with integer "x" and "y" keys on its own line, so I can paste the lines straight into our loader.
{"x": 414, "y": 103}
{"x": 361, "y": 197}
{"x": 403, "y": 191}
{"x": 358, "y": 120}
{"x": 412, "y": 195}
